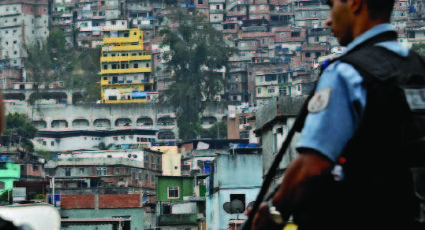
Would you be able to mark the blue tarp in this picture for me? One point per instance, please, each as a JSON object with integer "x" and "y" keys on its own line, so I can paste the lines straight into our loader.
{"x": 138, "y": 94}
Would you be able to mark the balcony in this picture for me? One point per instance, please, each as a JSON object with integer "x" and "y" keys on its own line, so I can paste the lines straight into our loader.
{"x": 259, "y": 82}
{"x": 126, "y": 58}
{"x": 118, "y": 40}
{"x": 128, "y": 82}
{"x": 178, "y": 219}
{"x": 129, "y": 70}
{"x": 123, "y": 48}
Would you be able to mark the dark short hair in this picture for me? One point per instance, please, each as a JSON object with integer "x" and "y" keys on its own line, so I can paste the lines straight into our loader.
{"x": 380, "y": 8}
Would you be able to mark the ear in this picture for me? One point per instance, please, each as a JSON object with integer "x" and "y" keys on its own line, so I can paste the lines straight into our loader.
{"x": 356, "y": 6}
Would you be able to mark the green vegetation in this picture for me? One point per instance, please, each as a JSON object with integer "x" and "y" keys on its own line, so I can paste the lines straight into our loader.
{"x": 6, "y": 196}
{"x": 103, "y": 146}
{"x": 53, "y": 60}
{"x": 45, "y": 153}
{"x": 19, "y": 124}
{"x": 218, "y": 130}
{"x": 197, "y": 52}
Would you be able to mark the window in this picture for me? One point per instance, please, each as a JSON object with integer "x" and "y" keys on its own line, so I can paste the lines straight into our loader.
{"x": 101, "y": 171}
{"x": 135, "y": 65}
{"x": 153, "y": 180}
{"x": 67, "y": 171}
{"x": 217, "y": 7}
{"x": 259, "y": 90}
{"x": 105, "y": 67}
{"x": 44, "y": 143}
{"x": 200, "y": 2}
{"x": 113, "y": 23}
{"x": 117, "y": 171}
{"x": 114, "y": 66}
{"x": 270, "y": 90}
{"x": 307, "y": 54}
{"x": 318, "y": 54}
{"x": 52, "y": 143}
{"x": 81, "y": 170}
{"x": 35, "y": 168}
{"x": 173, "y": 192}
{"x": 295, "y": 34}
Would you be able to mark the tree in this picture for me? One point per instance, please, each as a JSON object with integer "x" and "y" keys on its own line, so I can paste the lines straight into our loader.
{"x": 103, "y": 146}
{"x": 197, "y": 52}
{"x": 218, "y": 130}
{"x": 19, "y": 124}
{"x": 53, "y": 60}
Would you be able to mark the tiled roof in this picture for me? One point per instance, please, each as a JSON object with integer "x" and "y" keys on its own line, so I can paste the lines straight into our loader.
{"x": 257, "y": 34}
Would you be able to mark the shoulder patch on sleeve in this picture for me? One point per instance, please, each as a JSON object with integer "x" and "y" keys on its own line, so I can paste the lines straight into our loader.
{"x": 319, "y": 101}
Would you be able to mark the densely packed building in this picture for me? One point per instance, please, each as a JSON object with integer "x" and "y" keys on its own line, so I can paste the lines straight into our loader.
{"x": 275, "y": 37}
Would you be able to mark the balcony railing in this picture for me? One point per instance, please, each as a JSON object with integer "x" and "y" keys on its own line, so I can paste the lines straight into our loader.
{"x": 129, "y": 70}
{"x": 126, "y": 58}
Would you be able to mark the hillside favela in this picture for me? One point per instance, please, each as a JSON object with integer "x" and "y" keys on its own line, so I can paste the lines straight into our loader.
{"x": 158, "y": 114}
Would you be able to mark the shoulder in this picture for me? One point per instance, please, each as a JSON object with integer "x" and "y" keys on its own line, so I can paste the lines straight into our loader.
{"x": 341, "y": 71}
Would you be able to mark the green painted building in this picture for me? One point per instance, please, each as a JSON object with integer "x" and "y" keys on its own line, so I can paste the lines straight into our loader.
{"x": 174, "y": 188}
{"x": 9, "y": 172}
{"x": 181, "y": 202}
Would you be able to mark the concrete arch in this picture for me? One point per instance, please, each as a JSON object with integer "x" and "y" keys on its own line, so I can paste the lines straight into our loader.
{"x": 40, "y": 124}
{"x": 166, "y": 121}
{"x": 166, "y": 135}
{"x": 77, "y": 97}
{"x": 102, "y": 123}
{"x": 80, "y": 123}
{"x": 60, "y": 124}
{"x": 123, "y": 122}
{"x": 14, "y": 96}
{"x": 208, "y": 120}
{"x": 144, "y": 121}
{"x": 60, "y": 97}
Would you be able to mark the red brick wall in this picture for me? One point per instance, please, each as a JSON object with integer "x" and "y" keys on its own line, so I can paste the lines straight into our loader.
{"x": 119, "y": 201}
{"x": 77, "y": 201}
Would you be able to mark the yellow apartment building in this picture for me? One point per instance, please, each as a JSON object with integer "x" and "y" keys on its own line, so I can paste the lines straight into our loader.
{"x": 125, "y": 67}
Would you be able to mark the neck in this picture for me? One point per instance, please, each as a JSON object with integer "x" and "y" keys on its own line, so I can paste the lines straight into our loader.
{"x": 364, "y": 24}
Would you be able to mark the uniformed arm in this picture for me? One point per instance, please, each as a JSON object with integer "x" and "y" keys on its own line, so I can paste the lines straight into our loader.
{"x": 302, "y": 181}
{"x": 330, "y": 124}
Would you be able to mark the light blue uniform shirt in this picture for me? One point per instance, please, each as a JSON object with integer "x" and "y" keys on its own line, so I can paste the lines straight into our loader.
{"x": 329, "y": 130}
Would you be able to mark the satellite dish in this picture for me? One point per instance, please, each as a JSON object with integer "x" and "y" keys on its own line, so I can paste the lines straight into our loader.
{"x": 236, "y": 206}
{"x": 226, "y": 207}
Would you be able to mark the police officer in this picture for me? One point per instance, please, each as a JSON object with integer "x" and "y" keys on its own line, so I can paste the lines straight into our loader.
{"x": 373, "y": 191}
